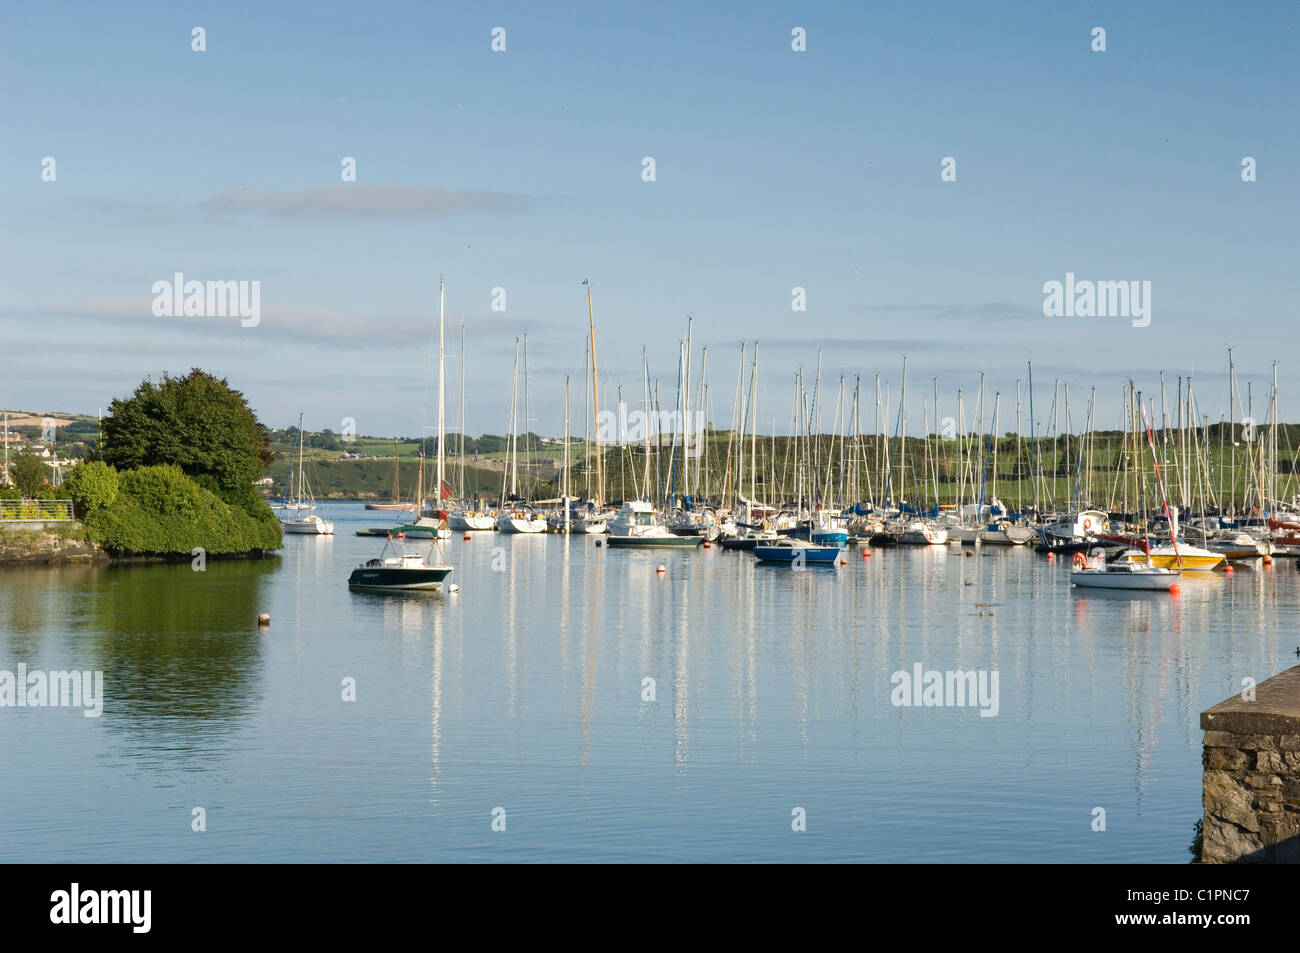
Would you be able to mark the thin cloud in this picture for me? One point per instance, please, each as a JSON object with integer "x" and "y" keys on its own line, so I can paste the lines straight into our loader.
{"x": 302, "y": 323}
{"x": 361, "y": 202}
{"x": 985, "y": 310}
{"x": 321, "y": 203}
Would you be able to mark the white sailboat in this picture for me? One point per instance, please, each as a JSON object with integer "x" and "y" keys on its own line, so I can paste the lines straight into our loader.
{"x": 466, "y": 517}
{"x": 595, "y": 518}
{"x": 515, "y": 516}
{"x": 310, "y": 524}
{"x": 1131, "y": 571}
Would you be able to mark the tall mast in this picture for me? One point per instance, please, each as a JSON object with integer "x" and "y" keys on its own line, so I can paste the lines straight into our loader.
{"x": 686, "y": 410}
{"x": 902, "y": 444}
{"x": 528, "y": 453}
{"x": 298, "y": 498}
{"x": 753, "y": 432}
{"x": 564, "y": 495}
{"x": 462, "y": 411}
{"x": 595, "y": 399}
{"x": 442, "y": 360}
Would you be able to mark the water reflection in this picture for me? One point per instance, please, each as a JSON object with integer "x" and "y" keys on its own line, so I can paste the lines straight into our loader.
{"x": 525, "y": 687}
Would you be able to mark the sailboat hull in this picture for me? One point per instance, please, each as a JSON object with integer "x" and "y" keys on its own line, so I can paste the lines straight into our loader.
{"x": 1188, "y": 562}
{"x": 309, "y": 526}
{"x": 470, "y": 522}
{"x": 510, "y": 524}
{"x": 667, "y": 541}
{"x": 1138, "y": 581}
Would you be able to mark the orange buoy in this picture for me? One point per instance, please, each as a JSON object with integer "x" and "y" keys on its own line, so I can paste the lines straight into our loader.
{"x": 1174, "y": 589}
{"x": 661, "y": 568}
{"x": 1051, "y": 557}
{"x": 706, "y": 544}
{"x": 969, "y": 554}
{"x": 467, "y": 537}
{"x": 1227, "y": 570}
{"x": 844, "y": 562}
{"x": 1268, "y": 560}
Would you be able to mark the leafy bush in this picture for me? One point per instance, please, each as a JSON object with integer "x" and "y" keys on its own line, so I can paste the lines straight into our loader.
{"x": 90, "y": 486}
{"x": 160, "y": 511}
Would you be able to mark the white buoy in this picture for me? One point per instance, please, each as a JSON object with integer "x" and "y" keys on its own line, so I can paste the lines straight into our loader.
{"x": 264, "y": 619}
{"x": 453, "y": 588}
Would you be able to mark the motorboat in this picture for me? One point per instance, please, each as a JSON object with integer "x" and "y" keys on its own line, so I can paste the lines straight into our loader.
{"x": 398, "y": 571}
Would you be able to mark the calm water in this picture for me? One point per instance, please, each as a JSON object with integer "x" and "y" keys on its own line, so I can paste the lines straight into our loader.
{"x": 524, "y": 691}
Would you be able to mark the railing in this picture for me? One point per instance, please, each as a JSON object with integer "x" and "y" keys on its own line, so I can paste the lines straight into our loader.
{"x": 14, "y": 510}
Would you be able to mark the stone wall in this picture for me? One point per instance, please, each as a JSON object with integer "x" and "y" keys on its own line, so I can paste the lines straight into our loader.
{"x": 1251, "y": 780}
{"x": 30, "y": 547}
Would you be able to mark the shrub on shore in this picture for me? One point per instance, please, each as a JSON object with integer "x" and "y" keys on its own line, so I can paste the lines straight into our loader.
{"x": 159, "y": 511}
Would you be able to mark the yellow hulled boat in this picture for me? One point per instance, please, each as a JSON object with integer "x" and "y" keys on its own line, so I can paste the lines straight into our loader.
{"x": 1187, "y": 558}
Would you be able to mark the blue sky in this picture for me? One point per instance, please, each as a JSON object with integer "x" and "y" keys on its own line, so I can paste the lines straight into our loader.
{"x": 522, "y": 170}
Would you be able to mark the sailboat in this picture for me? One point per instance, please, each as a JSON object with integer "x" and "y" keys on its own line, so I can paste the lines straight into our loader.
{"x": 797, "y": 552}
{"x": 515, "y": 516}
{"x": 397, "y": 503}
{"x": 466, "y": 517}
{"x": 594, "y": 518}
{"x": 403, "y": 570}
{"x": 311, "y": 524}
{"x": 1131, "y": 570}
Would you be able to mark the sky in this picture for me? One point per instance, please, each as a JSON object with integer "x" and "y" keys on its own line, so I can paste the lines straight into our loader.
{"x": 523, "y": 169}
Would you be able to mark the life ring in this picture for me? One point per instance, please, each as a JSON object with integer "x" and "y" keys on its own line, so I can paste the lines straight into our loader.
{"x": 1087, "y": 524}
{"x": 1080, "y": 561}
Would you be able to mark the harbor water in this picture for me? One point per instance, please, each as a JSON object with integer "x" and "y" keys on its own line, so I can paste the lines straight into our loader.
{"x": 571, "y": 703}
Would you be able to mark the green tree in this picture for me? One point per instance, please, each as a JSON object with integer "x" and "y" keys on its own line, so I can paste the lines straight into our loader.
{"x": 198, "y": 423}
{"x": 91, "y": 486}
{"x": 29, "y": 473}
